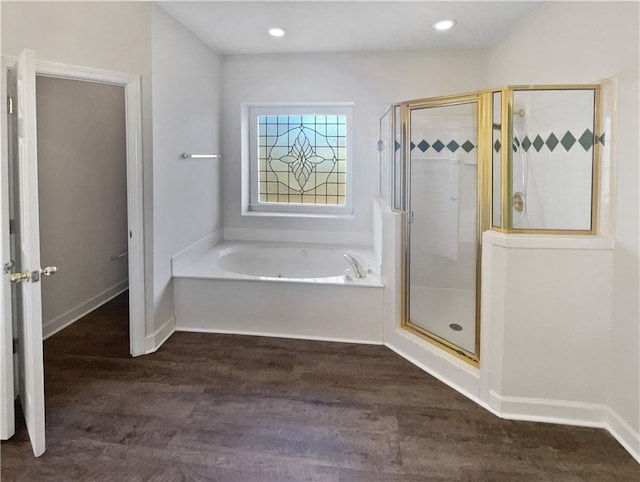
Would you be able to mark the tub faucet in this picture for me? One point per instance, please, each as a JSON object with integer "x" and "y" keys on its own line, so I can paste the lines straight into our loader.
{"x": 358, "y": 271}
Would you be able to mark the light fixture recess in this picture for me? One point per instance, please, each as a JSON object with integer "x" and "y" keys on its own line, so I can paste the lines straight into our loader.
{"x": 277, "y": 32}
{"x": 444, "y": 24}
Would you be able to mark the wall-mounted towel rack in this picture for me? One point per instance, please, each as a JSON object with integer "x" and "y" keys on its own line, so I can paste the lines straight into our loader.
{"x": 186, "y": 155}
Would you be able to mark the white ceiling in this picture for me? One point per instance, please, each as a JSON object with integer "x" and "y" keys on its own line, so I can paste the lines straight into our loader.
{"x": 240, "y": 27}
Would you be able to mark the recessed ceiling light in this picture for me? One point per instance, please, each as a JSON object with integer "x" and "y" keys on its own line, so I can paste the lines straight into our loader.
{"x": 277, "y": 32}
{"x": 444, "y": 24}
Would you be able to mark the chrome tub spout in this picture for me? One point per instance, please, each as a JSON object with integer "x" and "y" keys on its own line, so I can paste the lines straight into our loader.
{"x": 358, "y": 271}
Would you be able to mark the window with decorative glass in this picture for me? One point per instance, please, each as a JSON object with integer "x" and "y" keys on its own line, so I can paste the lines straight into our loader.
{"x": 300, "y": 159}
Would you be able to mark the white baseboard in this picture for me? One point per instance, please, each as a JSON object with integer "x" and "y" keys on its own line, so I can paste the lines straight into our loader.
{"x": 277, "y": 335}
{"x": 549, "y": 411}
{"x": 568, "y": 413}
{"x": 529, "y": 409}
{"x": 623, "y": 433}
{"x": 185, "y": 256}
{"x": 69, "y": 317}
{"x": 162, "y": 334}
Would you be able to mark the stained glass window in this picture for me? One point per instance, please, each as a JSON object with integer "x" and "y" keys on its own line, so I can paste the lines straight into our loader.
{"x": 302, "y": 159}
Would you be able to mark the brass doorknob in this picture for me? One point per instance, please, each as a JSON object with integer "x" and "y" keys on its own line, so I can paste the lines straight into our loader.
{"x": 19, "y": 277}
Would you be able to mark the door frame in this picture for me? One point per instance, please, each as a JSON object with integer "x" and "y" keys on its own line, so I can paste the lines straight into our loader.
{"x": 482, "y": 99}
{"x": 7, "y": 367}
{"x": 135, "y": 193}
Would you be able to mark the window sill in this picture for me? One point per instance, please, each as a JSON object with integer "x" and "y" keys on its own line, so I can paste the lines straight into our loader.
{"x": 272, "y": 214}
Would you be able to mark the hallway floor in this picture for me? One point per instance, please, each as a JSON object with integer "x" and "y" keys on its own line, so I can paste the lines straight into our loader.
{"x": 238, "y": 408}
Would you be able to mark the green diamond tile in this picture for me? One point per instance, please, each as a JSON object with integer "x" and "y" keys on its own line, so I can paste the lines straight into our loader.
{"x": 496, "y": 146}
{"x": 586, "y": 139}
{"x": 538, "y": 143}
{"x": 468, "y": 146}
{"x": 413, "y": 146}
{"x": 397, "y": 145}
{"x": 568, "y": 141}
{"x": 601, "y": 139}
{"x": 552, "y": 141}
{"x": 526, "y": 143}
{"x": 438, "y": 145}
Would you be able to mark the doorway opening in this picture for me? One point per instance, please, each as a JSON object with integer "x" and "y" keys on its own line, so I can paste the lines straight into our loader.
{"x": 82, "y": 193}
{"x": 21, "y": 228}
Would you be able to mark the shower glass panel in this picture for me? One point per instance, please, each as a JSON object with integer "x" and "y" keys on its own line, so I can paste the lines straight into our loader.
{"x": 553, "y": 159}
{"x": 496, "y": 167}
{"x": 398, "y": 169}
{"x": 442, "y": 223}
{"x": 385, "y": 151}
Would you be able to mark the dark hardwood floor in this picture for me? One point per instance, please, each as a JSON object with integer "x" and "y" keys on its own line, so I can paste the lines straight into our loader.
{"x": 239, "y": 408}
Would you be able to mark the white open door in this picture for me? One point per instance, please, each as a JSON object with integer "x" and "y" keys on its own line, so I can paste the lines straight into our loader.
{"x": 30, "y": 362}
{"x": 7, "y": 415}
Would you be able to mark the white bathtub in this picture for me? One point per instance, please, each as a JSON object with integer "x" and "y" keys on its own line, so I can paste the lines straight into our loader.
{"x": 280, "y": 289}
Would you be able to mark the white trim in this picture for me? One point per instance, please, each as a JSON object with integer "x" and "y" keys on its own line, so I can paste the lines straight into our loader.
{"x": 53, "y": 326}
{"x": 545, "y": 410}
{"x": 7, "y": 395}
{"x": 135, "y": 213}
{"x": 278, "y": 335}
{"x": 582, "y": 414}
{"x": 184, "y": 257}
{"x": 162, "y": 334}
{"x": 466, "y": 377}
{"x": 351, "y": 238}
{"x": 548, "y": 241}
{"x": 623, "y": 433}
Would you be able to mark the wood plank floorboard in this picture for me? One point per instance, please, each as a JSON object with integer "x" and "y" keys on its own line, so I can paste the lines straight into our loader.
{"x": 242, "y": 409}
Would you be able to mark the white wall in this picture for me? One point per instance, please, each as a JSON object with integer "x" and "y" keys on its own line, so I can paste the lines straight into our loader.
{"x": 138, "y": 37}
{"x": 186, "y": 112}
{"x": 82, "y": 167}
{"x": 84, "y": 34}
{"x": 582, "y": 43}
{"x": 371, "y": 80}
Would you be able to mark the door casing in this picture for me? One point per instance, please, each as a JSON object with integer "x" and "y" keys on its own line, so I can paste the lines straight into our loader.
{"x": 135, "y": 214}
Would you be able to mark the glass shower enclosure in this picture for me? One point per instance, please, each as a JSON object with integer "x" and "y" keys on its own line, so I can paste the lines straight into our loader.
{"x": 517, "y": 160}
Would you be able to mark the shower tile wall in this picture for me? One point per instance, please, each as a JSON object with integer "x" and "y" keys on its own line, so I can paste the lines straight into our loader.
{"x": 444, "y": 159}
{"x": 552, "y": 158}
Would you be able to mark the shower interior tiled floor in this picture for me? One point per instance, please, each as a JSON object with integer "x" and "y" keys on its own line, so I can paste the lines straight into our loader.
{"x": 238, "y": 408}
{"x": 436, "y": 309}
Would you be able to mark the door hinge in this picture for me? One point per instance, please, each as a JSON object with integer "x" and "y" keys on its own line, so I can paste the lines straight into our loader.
{"x": 15, "y": 345}
{"x": 12, "y": 226}
{"x": 10, "y": 105}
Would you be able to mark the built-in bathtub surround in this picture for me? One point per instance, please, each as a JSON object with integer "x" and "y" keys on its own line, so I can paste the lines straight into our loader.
{"x": 280, "y": 289}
